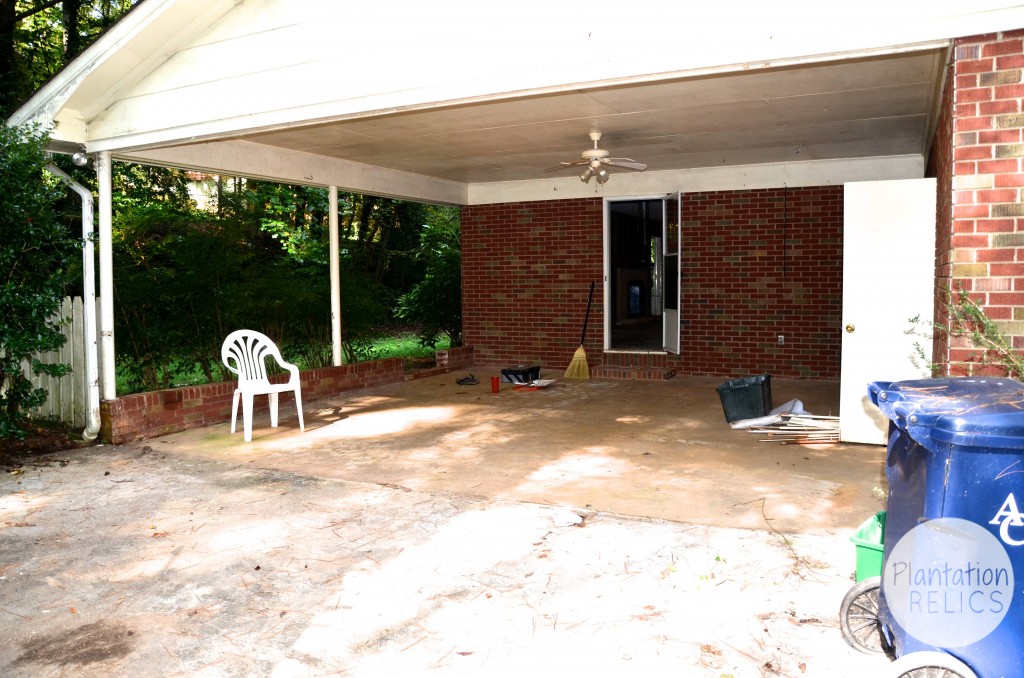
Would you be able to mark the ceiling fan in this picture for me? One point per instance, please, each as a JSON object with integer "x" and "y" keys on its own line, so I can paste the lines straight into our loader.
{"x": 595, "y": 160}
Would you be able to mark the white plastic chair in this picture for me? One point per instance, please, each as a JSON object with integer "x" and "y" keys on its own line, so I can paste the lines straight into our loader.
{"x": 245, "y": 352}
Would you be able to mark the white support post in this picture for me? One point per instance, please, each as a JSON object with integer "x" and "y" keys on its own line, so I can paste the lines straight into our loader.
{"x": 108, "y": 377}
{"x": 335, "y": 278}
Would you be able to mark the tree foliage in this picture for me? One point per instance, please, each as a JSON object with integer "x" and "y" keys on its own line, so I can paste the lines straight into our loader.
{"x": 435, "y": 303}
{"x": 36, "y": 253}
{"x": 257, "y": 257}
{"x": 185, "y": 279}
{"x": 37, "y": 37}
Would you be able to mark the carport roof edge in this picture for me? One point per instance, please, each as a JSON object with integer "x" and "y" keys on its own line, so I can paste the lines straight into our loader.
{"x": 137, "y": 92}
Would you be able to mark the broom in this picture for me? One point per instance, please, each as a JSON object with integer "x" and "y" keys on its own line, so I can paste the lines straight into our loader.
{"x": 578, "y": 368}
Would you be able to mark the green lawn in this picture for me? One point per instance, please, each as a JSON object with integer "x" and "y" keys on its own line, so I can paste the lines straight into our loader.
{"x": 401, "y": 345}
{"x": 405, "y": 345}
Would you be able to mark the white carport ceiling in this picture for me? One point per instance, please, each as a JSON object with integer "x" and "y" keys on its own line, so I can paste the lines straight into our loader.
{"x": 868, "y": 107}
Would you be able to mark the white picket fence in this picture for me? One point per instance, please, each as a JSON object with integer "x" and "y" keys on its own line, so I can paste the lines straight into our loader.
{"x": 67, "y": 399}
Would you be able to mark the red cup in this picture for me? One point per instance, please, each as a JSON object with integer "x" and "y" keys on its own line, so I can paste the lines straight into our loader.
{"x": 495, "y": 381}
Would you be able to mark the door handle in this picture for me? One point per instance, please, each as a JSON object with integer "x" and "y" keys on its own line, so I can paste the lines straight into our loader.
{"x": 850, "y": 328}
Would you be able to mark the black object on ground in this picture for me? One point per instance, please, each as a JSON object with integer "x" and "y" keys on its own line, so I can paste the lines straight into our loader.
{"x": 746, "y": 398}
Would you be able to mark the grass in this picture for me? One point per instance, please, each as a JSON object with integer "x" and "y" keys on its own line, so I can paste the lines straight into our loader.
{"x": 404, "y": 345}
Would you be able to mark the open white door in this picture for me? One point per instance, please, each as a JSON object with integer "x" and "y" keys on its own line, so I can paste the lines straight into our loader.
{"x": 888, "y": 278}
{"x": 671, "y": 248}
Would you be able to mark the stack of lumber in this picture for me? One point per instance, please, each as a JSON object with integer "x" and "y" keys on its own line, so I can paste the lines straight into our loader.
{"x": 800, "y": 429}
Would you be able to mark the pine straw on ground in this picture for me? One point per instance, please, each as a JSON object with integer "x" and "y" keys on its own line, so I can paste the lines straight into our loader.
{"x": 41, "y": 440}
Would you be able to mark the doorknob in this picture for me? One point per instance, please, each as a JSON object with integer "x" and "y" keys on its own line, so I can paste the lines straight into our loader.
{"x": 850, "y": 328}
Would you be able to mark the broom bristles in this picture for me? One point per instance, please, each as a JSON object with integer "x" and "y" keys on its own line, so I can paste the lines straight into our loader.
{"x": 578, "y": 368}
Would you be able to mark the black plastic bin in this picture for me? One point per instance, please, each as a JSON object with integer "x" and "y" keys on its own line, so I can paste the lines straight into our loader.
{"x": 520, "y": 374}
{"x": 746, "y": 398}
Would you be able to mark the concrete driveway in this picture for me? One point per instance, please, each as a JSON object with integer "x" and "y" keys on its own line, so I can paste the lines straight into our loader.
{"x": 592, "y": 528}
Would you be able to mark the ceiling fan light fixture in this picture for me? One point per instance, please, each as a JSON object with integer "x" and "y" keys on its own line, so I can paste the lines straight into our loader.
{"x": 594, "y": 162}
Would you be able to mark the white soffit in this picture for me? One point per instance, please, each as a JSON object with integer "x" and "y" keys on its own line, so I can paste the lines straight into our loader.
{"x": 857, "y": 109}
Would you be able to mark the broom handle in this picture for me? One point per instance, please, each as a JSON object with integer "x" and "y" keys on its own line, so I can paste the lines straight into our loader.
{"x": 586, "y": 318}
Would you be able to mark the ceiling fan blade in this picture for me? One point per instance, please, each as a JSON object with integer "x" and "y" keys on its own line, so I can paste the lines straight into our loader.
{"x": 625, "y": 162}
{"x": 565, "y": 165}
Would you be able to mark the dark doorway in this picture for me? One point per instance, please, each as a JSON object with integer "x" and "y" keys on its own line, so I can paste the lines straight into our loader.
{"x": 635, "y": 289}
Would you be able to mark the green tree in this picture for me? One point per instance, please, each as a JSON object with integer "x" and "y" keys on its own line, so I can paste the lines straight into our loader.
{"x": 295, "y": 217}
{"x": 185, "y": 278}
{"x": 36, "y": 252}
{"x": 140, "y": 185}
{"x": 38, "y": 37}
{"x": 435, "y": 303}
{"x": 381, "y": 236}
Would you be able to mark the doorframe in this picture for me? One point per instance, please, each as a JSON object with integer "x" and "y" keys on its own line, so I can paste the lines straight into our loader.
{"x": 607, "y": 266}
{"x": 675, "y": 345}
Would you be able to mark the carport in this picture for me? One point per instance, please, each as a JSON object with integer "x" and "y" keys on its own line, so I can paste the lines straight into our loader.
{"x": 469, "y": 107}
{"x": 602, "y": 527}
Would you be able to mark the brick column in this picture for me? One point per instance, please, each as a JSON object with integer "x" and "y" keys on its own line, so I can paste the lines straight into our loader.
{"x": 987, "y": 230}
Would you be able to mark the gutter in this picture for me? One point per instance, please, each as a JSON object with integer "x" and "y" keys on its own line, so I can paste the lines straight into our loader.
{"x": 92, "y": 388}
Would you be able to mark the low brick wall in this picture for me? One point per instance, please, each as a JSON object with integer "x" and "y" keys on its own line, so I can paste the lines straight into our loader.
{"x": 156, "y": 413}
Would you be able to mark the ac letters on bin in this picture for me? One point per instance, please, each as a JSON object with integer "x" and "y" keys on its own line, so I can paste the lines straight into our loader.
{"x": 1008, "y": 516}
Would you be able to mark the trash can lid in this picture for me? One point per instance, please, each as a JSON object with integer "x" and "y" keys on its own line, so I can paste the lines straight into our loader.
{"x": 970, "y": 412}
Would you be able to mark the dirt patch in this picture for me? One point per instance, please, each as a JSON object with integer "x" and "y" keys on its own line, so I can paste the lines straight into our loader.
{"x": 89, "y": 644}
{"x": 39, "y": 445}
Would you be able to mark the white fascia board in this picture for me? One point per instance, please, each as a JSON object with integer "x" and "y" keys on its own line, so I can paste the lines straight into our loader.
{"x": 739, "y": 177}
{"x": 259, "y": 161}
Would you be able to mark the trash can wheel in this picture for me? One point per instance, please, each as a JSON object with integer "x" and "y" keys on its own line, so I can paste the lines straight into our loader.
{"x": 858, "y": 616}
{"x": 930, "y": 665}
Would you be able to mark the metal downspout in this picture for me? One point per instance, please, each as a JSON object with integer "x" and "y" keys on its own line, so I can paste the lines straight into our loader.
{"x": 92, "y": 382}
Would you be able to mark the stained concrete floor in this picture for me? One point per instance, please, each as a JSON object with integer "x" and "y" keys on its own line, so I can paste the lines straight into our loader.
{"x": 638, "y": 448}
{"x": 593, "y": 528}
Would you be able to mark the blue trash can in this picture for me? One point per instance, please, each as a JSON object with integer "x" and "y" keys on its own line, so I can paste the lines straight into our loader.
{"x": 954, "y": 524}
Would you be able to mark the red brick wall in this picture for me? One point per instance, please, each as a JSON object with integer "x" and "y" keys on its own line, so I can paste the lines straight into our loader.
{"x": 527, "y": 268}
{"x": 988, "y": 215}
{"x": 146, "y": 415}
{"x": 757, "y": 264}
{"x": 526, "y": 273}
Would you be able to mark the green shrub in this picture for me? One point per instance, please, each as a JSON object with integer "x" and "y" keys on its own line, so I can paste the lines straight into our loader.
{"x": 36, "y": 252}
